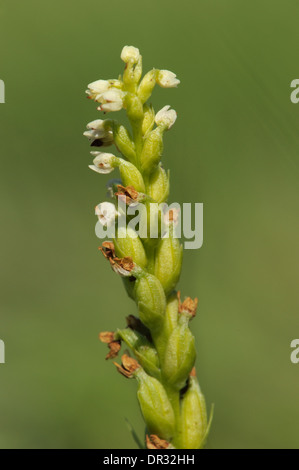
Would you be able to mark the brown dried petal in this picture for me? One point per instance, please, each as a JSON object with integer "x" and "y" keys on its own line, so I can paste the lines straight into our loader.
{"x": 126, "y": 263}
{"x": 108, "y": 250}
{"x": 114, "y": 347}
{"x": 106, "y": 336}
{"x": 128, "y": 366}
{"x": 118, "y": 264}
{"x": 154, "y": 442}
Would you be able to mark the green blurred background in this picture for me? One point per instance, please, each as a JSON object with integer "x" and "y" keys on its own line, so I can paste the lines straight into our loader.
{"x": 235, "y": 147}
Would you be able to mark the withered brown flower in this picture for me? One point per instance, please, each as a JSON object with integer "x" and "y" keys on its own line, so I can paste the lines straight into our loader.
{"x": 122, "y": 266}
{"x": 154, "y": 442}
{"x": 128, "y": 366}
{"x": 127, "y": 194}
{"x": 188, "y": 306}
{"x": 114, "y": 345}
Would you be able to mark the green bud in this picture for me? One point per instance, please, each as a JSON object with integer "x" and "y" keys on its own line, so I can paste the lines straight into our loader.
{"x": 158, "y": 187}
{"x": 144, "y": 351}
{"x": 168, "y": 262}
{"x": 151, "y": 300}
{"x": 179, "y": 356}
{"x": 127, "y": 243}
{"x": 148, "y": 120}
{"x": 147, "y": 85}
{"x": 194, "y": 422}
{"x": 131, "y": 176}
{"x": 152, "y": 150}
{"x": 134, "y": 107}
{"x": 123, "y": 142}
{"x": 155, "y": 406}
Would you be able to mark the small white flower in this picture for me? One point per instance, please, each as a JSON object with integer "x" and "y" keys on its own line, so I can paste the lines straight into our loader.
{"x": 103, "y": 163}
{"x": 166, "y": 117}
{"x": 99, "y": 131}
{"x": 111, "y": 100}
{"x": 167, "y": 79}
{"x": 106, "y": 213}
{"x": 99, "y": 87}
{"x": 130, "y": 54}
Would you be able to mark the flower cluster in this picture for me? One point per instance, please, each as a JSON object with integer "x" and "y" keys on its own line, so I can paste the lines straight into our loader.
{"x": 168, "y": 392}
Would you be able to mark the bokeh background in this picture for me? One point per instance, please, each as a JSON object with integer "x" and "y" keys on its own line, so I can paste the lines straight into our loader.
{"x": 234, "y": 147}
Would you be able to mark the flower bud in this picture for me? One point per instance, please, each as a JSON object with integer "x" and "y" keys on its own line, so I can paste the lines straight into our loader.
{"x": 166, "y": 117}
{"x": 144, "y": 351}
{"x": 123, "y": 142}
{"x": 131, "y": 176}
{"x": 104, "y": 162}
{"x": 127, "y": 243}
{"x": 167, "y": 79}
{"x": 194, "y": 423}
{"x": 168, "y": 262}
{"x": 158, "y": 188}
{"x": 179, "y": 356}
{"x": 155, "y": 406}
{"x": 151, "y": 300}
{"x": 148, "y": 119}
{"x": 130, "y": 54}
{"x": 147, "y": 85}
{"x": 152, "y": 150}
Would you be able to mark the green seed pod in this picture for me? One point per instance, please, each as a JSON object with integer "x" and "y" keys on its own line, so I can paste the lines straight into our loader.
{"x": 129, "y": 285}
{"x": 171, "y": 314}
{"x": 194, "y": 422}
{"x": 147, "y": 85}
{"x": 179, "y": 356}
{"x": 158, "y": 188}
{"x": 155, "y": 406}
{"x": 152, "y": 150}
{"x": 170, "y": 323}
{"x": 148, "y": 120}
{"x": 123, "y": 142}
{"x": 151, "y": 300}
{"x": 132, "y": 73}
{"x": 144, "y": 351}
{"x": 134, "y": 107}
{"x": 127, "y": 243}
{"x": 168, "y": 262}
{"x": 131, "y": 176}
